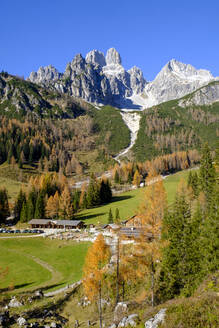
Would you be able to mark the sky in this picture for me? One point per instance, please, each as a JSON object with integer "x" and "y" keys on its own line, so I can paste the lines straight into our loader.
{"x": 146, "y": 33}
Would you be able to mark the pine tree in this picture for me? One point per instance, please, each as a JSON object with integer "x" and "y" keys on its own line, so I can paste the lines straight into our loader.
{"x": 207, "y": 174}
{"x": 116, "y": 177}
{"x": 193, "y": 182}
{"x": 21, "y": 198}
{"x": 4, "y": 206}
{"x": 95, "y": 266}
{"x": 110, "y": 217}
{"x": 24, "y": 214}
{"x": 40, "y": 206}
{"x": 177, "y": 231}
{"x": 31, "y": 204}
{"x": 117, "y": 216}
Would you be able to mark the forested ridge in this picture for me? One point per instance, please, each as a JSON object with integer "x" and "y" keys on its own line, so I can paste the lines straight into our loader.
{"x": 168, "y": 127}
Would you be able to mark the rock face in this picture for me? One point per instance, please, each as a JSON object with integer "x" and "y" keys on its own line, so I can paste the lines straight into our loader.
{"x": 175, "y": 81}
{"x": 102, "y": 79}
{"x": 204, "y": 96}
{"x": 96, "y": 57}
{"x": 44, "y": 75}
{"x": 95, "y": 78}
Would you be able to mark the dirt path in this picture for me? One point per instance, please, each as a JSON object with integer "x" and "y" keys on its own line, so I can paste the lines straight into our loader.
{"x": 56, "y": 275}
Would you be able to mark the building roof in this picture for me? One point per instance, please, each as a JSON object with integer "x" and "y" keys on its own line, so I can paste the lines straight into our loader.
{"x": 38, "y": 221}
{"x": 72, "y": 223}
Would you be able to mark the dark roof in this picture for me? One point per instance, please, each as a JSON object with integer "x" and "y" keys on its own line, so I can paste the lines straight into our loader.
{"x": 103, "y": 226}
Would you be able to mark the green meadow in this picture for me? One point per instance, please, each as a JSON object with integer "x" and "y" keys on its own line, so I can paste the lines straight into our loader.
{"x": 38, "y": 262}
{"x": 128, "y": 203}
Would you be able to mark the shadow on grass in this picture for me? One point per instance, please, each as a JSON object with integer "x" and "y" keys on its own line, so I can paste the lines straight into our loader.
{"x": 90, "y": 216}
{"x": 49, "y": 287}
{"x": 119, "y": 198}
{"x": 7, "y": 289}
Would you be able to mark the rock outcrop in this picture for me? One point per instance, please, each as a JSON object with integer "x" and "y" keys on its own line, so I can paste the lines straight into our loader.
{"x": 204, "y": 96}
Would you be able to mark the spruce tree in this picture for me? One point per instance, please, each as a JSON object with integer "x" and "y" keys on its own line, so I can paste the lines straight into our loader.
{"x": 117, "y": 216}
{"x": 4, "y": 206}
{"x": 116, "y": 177}
{"x": 110, "y": 217}
{"x": 174, "y": 228}
{"x": 207, "y": 174}
{"x": 24, "y": 214}
{"x": 40, "y": 206}
{"x": 21, "y": 198}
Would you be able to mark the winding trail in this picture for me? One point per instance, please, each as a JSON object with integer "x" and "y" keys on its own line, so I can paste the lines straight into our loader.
{"x": 56, "y": 275}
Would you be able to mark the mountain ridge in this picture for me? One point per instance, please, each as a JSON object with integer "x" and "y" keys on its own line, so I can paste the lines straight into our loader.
{"x": 102, "y": 80}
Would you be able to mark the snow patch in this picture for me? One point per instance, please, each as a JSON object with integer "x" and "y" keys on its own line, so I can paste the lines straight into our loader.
{"x": 132, "y": 120}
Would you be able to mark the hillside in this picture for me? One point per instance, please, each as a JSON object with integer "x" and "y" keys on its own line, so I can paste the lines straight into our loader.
{"x": 178, "y": 125}
{"x": 51, "y": 130}
{"x": 48, "y": 129}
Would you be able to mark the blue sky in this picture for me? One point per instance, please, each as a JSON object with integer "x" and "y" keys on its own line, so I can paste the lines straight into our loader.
{"x": 146, "y": 33}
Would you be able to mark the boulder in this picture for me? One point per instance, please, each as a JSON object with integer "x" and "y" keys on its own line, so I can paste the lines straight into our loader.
{"x": 120, "y": 311}
{"x": 14, "y": 303}
{"x": 156, "y": 320}
{"x": 38, "y": 294}
{"x": 21, "y": 321}
{"x": 130, "y": 321}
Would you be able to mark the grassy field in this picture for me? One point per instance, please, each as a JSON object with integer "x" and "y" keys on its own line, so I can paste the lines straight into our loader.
{"x": 41, "y": 262}
{"x": 128, "y": 203}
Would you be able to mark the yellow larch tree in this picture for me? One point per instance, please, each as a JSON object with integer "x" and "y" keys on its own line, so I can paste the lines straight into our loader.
{"x": 52, "y": 206}
{"x": 66, "y": 208}
{"x": 97, "y": 257}
{"x": 136, "y": 179}
{"x": 149, "y": 245}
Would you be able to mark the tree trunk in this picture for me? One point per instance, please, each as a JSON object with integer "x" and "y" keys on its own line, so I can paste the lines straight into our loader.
{"x": 152, "y": 284}
{"x": 123, "y": 291}
{"x": 117, "y": 274}
{"x": 100, "y": 305}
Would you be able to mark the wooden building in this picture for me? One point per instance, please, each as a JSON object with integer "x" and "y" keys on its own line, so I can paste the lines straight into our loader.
{"x": 55, "y": 224}
{"x": 134, "y": 221}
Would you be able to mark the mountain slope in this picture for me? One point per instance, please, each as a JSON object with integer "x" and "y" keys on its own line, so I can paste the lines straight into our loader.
{"x": 19, "y": 98}
{"x": 179, "y": 124}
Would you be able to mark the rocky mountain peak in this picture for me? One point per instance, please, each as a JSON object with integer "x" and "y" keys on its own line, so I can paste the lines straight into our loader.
{"x": 96, "y": 57}
{"x": 104, "y": 80}
{"x": 113, "y": 57}
{"x": 184, "y": 71}
{"x": 44, "y": 74}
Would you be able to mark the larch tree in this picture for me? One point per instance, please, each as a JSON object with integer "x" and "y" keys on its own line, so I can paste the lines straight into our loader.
{"x": 52, "y": 206}
{"x": 97, "y": 257}
{"x": 136, "y": 179}
{"x": 148, "y": 246}
{"x": 66, "y": 207}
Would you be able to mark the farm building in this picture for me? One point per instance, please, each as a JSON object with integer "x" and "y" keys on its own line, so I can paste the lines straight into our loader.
{"x": 112, "y": 227}
{"x": 134, "y": 221}
{"x": 56, "y": 224}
